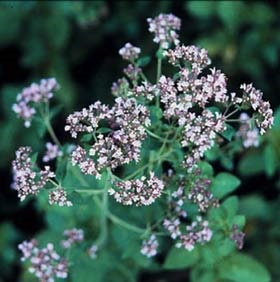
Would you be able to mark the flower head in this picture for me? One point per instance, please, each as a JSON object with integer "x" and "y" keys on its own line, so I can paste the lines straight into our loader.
{"x": 129, "y": 52}
{"x": 45, "y": 263}
{"x": 33, "y": 95}
{"x": 140, "y": 192}
{"x": 149, "y": 247}
{"x": 164, "y": 28}
{"x": 26, "y": 179}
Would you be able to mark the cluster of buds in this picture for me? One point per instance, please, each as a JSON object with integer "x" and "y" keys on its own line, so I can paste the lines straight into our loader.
{"x": 201, "y": 195}
{"x": 173, "y": 227}
{"x": 191, "y": 58}
{"x": 254, "y": 98}
{"x": 72, "y": 236}
{"x": 248, "y": 135}
{"x": 178, "y": 199}
{"x": 46, "y": 264}
{"x": 92, "y": 251}
{"x": 129, "y": 52}
{"x": 140, "y": 192}
{"x": 237, "y": 236}
{"x": 197, "y": 232}
{"x": 26, "y": 179}
{"x": 52, "y": 152}
{"x": 59, "y": 197}
{"x": 149, "y": 247}
{"x": 164, "y": 28}
{"x": 32, "y": 96}
{"x": 120, "y": 145}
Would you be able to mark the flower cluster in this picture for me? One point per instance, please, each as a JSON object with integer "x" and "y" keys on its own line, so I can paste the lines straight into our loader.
{"x": 180, "y": 97}
{"x": 52, "y": 152}
{"x": 140, "y": 192}
{"x": 237, "y": 236}
{"x": 173, "y": 227}
{"x": 120, "y": 88}
{"x": 149, "y": 247}
{"x": 87, "y": 120}
{"x": 32, "y": 95}
{"x": 177, "y": 200}
{"x": 200, "y": 195}
{"x": 147, "y": 90}
{"x": 198, "y": 232}
{"x": 126, "y": 130}
{"x": 26, "y": 180}
{"x": 46, "y": 264}
{"x": 254, "y": 98}
{"x": 92, "y": 251}
{"x": 129, "y": 52}
{"x": 132, "y": 72}
{"x": 248, "y": 135}
{"x": 59, "y": 197}
{"x": 72, "y": 236}
{"x": 195, "y": 59}
{"x": 164, "y": 28}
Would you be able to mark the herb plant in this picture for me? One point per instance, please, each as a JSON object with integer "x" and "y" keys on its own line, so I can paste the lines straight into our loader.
{"x": 137, "y": 177}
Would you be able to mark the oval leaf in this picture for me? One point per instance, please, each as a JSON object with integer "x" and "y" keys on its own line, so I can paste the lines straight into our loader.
{"x": 180, "y": 258}
{"x": 223, "y": 184}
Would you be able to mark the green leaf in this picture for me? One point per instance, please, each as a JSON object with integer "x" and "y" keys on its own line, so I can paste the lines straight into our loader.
{"x": 143, "y": 61}
{"x": 40, "y": 126}
{"x": 270, "y": 160}
{"x": 61, "y": 166}
{"x": 231, "y": 13}
{"x": 202, "y": 9}
{"x": 155, "y": 114}
{"x": 253, "y": 206}
{"x": 203, "y": 275}
{"x": 180, "y": 258}
{"x": 206, "y": 169}
{"x": 228, "y": 133}
{"x": 242, "y": 268}
{"x": 252, "y": 163}
{"x": 276, "y": 123}
{"x": 86, "y": 137}
{"x": 223, "y": 184}
{"x": 103, "y": 130}
{"x": 231, "y": 206}
{"x": 55, "y": 111}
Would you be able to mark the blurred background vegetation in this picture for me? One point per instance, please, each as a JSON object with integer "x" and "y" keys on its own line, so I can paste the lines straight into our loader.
{"x": 78, "y": 43}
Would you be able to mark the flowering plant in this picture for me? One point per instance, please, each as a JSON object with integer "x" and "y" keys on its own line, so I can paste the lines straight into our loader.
{"x": 140, "y": 169}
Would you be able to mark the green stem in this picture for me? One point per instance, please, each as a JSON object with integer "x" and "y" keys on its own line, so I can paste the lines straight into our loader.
{"x": 79, "y": 177}
{"x": 104, "y": 205}
{"x": 157, "y": 137}
{"x": 89, "y": 191}
{"x": 51, "y": 132}
{"x": 232, "y": 113}
{"x": 45, "y": 116}
{"x": 159, "y": 64}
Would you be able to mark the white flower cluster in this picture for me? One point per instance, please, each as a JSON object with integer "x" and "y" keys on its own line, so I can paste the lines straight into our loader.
{"x": 52, "y": 152}
{"x": 140, "y": 192}
{"x": 149, "y": 247}
{"x": 121, "y": 144}
{"x": 164, "y": 28}
{"x": 197, "y": 232}
{"x": 32, "y": 95}
{"x": 26, "y": 179}
{"x": 46, "y": 264}
{"x": 254, "y": 98}
{"x": 59, "y": 197}
{"x": 72, "y": 236}
{"x": 129, "y": 52}
{"x": 248, "y": 134}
